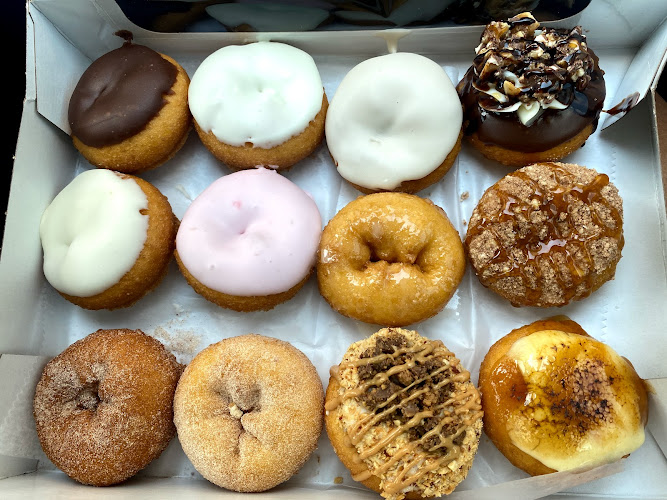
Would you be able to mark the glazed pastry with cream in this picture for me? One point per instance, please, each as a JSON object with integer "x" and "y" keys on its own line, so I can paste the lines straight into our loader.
{"x": 248, "y": 242}
{"x": 556, "y": 399}
{"x": 260, "y": 104}
{"x": 532, "y": 94}
{"x": 394, "y": 124}
{"x": 403, "y": 416}
{"x": 107, "y": 239}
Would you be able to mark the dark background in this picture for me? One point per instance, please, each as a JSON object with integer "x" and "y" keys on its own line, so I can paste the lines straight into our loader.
{"x": 13, "y": 33}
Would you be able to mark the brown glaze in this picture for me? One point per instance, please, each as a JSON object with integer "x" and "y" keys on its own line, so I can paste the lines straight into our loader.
{"x": 119, "y": 94}
{"x": 566, "y": 71}
{"x": 548, "y": 235}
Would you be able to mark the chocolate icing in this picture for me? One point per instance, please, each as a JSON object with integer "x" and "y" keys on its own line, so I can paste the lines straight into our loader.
{"x": 119, "y": 94}
{"x": 570, "y": 76}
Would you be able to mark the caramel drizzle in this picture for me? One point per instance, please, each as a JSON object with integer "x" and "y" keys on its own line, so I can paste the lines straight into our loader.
{"x": 467, "y": 408}
{"x": 568, "y": 244}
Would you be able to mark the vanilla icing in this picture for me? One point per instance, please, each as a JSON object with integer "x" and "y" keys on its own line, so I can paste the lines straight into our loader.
{"x": 612, "y": 430}
{"x": 250, "y": 233}
{"x": 393, "y": 118}
{"x": 262, "y": 93}
{"x": 93, "y": 232}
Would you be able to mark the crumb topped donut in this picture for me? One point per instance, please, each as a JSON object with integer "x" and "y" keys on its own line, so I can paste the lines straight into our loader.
{"x": 403, "y": 415}
{"x": 260, "y": 104}
{"x": 129, "y": 111}
{"x": 108, "y": 239}
{"x": 532, "y": 94}
{"x": 389, "y": 259}
{"x": 103, "y": 407}
{"x": 547, "y": 234}
{"x": 394, "y": 124}
{"x": 248, "y": 242}
{"x": 249, "y": 412}
{"x": 556, "y": 399}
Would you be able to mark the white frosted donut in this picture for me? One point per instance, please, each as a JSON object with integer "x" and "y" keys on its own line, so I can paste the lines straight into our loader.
{"x": 262, "y": 93}
{"x": 394, "y": 118}
{"x": 93, "y": 232}
{"x": 250, "y": 233}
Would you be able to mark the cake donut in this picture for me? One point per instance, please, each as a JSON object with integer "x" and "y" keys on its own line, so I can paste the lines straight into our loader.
{"x": 129, "y": 111}
{"x": 390, "y": 259}
{"x": 107, "y": 238}
{"x": 403, "y": 415}
{"x": 556, "y": 399}
{"x": 532, "y": 94}
{"x": 249, "y": 412}
{"x": 547, "y": 234}
{"x": 394, "y": 124}
{"x": 248, "y": 242}
{"x": 103, "y": 407}
{"x": 260, "y": 104}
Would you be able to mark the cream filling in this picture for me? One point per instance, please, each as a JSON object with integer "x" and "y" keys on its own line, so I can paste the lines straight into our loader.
{"x": 558, "y": 445}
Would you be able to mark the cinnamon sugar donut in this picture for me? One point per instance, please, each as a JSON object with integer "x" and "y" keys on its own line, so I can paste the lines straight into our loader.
{"x": 403, "y": 415}
{"x": 129, "y": 111}
{"x": 108, "y": 239}
{"x": 556, "y": 399}
{"x": 103, "y": 407}
{"x": 532, "y": 94}
{"x": 547, "y": 234}
{"x": 389, "y": 259}
{"x": 249, "y": 412}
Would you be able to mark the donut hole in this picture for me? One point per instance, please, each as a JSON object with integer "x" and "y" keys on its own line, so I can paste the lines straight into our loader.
{"x": 88, "y": 397}
{"x": 382, "y": 253}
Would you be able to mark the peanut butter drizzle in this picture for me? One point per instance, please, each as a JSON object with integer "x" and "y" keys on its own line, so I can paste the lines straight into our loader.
{"x": 568, "y": 242}
{"x": 466, "y": 409}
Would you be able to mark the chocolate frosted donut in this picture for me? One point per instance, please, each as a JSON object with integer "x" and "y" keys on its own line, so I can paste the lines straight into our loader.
{"x": 403, "y": 415}
{"x": 249, "y": 412}
{"x": 103, "y": 407}
{"x": 532, "y": 94}
{"x": 547, "y": 234}
{"x": 129, "y": 110}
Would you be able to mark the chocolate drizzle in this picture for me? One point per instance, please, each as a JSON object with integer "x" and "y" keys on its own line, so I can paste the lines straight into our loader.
{"x": 119, "y": 94}
{"x": 518, "y": 63}
{"x": 418, "y": 390}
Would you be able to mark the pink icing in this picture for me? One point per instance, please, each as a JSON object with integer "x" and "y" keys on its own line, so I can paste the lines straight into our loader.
{"x": 252, "y": 232}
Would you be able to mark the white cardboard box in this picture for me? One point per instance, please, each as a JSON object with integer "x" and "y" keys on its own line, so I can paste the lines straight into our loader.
{"x": 629, "y": 313}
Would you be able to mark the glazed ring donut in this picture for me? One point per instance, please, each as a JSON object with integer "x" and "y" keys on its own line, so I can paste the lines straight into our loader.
{"x": 547, "y": 234}
{"x": 390, "y": 259}
{"x": 129, "y": 111}
{"x": 103, "y": 407}
{"x": 556, "y": 399}
{"x": 249, "y": 411}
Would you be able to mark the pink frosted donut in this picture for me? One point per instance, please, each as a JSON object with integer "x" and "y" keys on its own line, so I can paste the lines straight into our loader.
{"x": 248, "y": 242}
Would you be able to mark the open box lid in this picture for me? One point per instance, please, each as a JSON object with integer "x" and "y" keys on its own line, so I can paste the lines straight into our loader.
{"x": 90, "y": 27}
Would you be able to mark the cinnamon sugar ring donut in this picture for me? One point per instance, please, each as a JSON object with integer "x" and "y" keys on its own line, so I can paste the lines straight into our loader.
{"x": 129, "y": 111}
{"x": 556, "y": 399}
{"x": 403, "y": 415}
{"x": 533, "y": 94}
{"x": 389, "y": 259}
{"x": 249, "y": 412}
{"x": 547, "y": 234}
{"x": 103, "y": 407}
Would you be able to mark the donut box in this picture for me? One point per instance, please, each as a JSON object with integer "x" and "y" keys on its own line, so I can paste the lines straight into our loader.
{"x": 627, "y": 313}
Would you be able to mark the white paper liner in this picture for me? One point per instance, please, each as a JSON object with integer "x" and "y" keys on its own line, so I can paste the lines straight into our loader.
{"x": 468, "y": 325}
